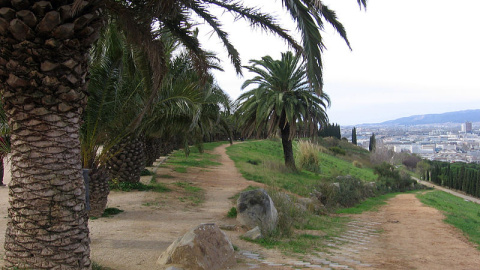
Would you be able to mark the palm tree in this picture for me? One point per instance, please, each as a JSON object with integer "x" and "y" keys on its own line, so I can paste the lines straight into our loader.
{"x": 284, "y": 99}
{"x": 43, "y": 73}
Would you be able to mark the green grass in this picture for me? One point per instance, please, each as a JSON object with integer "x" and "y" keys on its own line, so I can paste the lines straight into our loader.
{"x": 127, "y": 186}
{"x": 195, "y": 195}
{"x": 333, "y": 166}
{"x": 96, "y": 266}
{"x": 304, "y": 243}
{"x": 262, "y": 161}
{"x": 112, "y": 211}
{"x": 180, "y": 169}
{"x": 232, "y": 213}
{"x": 464, "y": 215}
{"x": 195, "y": 158}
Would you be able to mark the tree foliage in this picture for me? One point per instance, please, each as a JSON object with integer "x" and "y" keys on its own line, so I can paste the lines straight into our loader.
{"x": 373, "y": 143}
{"x": 282, "y": 99}
{"x": 354, "y": 136}
{"x": 330, "y": 130}
{"x": 460, "y": 176}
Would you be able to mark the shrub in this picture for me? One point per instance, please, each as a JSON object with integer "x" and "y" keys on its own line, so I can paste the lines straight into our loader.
{"x": 345, "y": 192}
{"x": 232, "y": 213}
{"x": 337, "y": 150}
{"x": 357, "y": 164}
{"x": 411, "y": 162}
{"x": 288, "y": 213}
{"x": 307, "y": 156}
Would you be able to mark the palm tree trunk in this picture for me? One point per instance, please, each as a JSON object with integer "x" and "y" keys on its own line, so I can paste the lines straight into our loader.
{"x": 287, "y": 143}
{"x": 99, "y": 190}
{"x": 152, "y": 150}
{"x": 43, "y": 66}
{"x": 128, "y": 163}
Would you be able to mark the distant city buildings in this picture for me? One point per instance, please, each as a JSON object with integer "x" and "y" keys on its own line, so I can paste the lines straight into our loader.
{"x": 444, "y": 142}
{"x": 466, "y": 127}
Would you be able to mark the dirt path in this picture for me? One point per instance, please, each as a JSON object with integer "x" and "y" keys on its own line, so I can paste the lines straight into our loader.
{"x": 409, "y": 235}
{"x": 135, "y": 238}
{"x": 402, "y": 235}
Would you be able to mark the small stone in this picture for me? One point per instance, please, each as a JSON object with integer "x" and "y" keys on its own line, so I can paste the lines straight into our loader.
{"x": 254, "y": 234}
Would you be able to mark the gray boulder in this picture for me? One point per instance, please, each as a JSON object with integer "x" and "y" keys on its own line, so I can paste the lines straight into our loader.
{"x": 256, "y": 208}
{"x": 253, "y": 234}
{"x": 203, "y": 247}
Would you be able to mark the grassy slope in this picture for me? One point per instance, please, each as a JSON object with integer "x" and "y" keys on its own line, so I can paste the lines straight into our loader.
{"x": 262, "y": 161}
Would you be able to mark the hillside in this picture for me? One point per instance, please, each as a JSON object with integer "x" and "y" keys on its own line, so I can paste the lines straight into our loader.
{"x": 449, "y": 117}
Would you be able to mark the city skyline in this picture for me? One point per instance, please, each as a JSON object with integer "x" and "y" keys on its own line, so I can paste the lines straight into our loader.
{"x": 409, "y": 58}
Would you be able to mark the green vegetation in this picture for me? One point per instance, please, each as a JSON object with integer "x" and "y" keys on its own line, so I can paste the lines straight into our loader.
{"x": 112, "y": 211}
{"x": 464, "y": 215}
{"x": 309, "y": 236}
{"x": 195, "y": 158}
{"x": 335, "y": 172}
{"x": 283, "y": 94}
{"x": 96, "y": 266}
{"x": 194, "y": 194}
{"x": 232, "y": 213}
{"x": 271, "y": 171}
{"x": 180, "y": 169}
{"x": 146, "y": 172}
{"x": 139, "y": 186}
{"x": 459, "y": 176}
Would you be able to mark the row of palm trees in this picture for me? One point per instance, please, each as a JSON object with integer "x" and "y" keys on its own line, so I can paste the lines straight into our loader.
{"x": 44, "y": 60}
{"x": 186, "y": 109}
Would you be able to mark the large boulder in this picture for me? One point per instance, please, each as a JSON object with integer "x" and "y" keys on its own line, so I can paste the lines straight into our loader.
{"x": 203, "y": 247}
{"x": 256, "y": 208}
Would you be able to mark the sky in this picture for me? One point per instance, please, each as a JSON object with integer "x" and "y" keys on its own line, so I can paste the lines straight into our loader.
{"x": 408, "y": 57}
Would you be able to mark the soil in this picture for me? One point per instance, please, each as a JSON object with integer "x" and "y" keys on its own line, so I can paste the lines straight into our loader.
{"x": 404, "y": 234}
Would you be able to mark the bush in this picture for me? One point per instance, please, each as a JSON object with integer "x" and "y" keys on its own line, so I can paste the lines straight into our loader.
{"x": 391, "y": 180}
{"x": 411, "y": 162}
{"x": 232, "y": 213}
{"x": 307, "y": 156}
{"x": 357, "y": 164}
{"x": 337, "y": 150}
{"x": 289, "y": 215}
{"x": 347, "y": 191}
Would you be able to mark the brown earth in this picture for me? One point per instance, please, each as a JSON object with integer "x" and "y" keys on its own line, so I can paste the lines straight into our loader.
{"x": 402, "y": 235}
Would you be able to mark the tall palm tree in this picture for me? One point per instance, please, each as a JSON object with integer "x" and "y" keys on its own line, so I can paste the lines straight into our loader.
{"x": 43, "y": 74}
{"x": 283, "y": 99}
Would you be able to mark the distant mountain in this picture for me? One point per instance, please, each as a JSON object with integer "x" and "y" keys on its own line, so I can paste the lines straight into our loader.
{"x": 449, "y": 117}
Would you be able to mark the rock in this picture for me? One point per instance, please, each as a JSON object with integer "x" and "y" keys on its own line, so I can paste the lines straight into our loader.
{"x": 228, "y": 227}
{"x": 205, "y": 247}
{"x": 253, "y": 234}
{"x": 256, "y": 208}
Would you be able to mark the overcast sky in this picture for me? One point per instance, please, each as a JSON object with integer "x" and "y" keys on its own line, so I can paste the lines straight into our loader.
{"x": 409, "y": 57}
